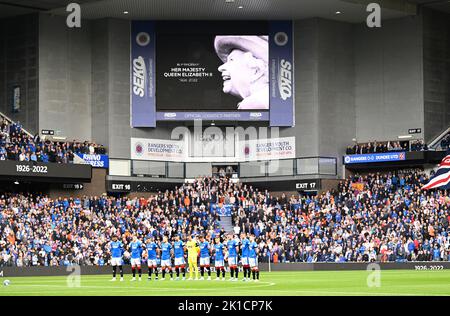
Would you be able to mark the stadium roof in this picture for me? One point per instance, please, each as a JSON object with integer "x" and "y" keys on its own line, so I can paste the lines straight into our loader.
{"x": 349, "y": 10}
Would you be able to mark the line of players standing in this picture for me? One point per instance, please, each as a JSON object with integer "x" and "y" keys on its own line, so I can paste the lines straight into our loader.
{"x": 229, "y": 251}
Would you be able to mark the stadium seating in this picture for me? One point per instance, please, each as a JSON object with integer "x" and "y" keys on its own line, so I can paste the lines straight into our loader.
{"x": 389, "y": 146}
{"x": 15, "y": 144}
{"x": 377, "y": 217}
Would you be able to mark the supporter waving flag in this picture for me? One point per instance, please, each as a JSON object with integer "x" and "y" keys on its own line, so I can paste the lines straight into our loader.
{"x": 441, "y": 178}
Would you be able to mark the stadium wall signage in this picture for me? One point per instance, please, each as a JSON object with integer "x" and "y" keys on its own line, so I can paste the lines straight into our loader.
{"x": 96, "y": 161}
{"x": 182, "y": 72}
{"x": 307, "y": 185}
{"x": 39, "y": 170}
{"x": 119, "y": 186}
{"x": 178, "y": 150}
{"x": 157, "y": 149}
{"x": 377, "y": 157}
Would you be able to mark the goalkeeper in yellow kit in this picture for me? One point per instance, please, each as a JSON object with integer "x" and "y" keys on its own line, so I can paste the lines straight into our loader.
{"x": 193, "y": 251}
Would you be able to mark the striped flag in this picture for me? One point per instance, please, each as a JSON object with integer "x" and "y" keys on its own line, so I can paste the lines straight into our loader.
{"x": 441, "y": 178}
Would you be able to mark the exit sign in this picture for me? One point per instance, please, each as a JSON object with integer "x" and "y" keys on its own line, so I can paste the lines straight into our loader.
{"x": 415, "y": 131}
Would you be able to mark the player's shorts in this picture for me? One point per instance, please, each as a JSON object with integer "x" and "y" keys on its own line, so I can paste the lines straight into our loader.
{"x": 180, "y": 261}
{"x": 204, "y": 261}
{"x": 253, "y": 262}
{"x": 152, "y": 263}
{"x": 232, "y": 261}
{"x": 219, "y": 263}
{"x": 245, "y": 261}
{"x": 116, "y": 261}
{"x": 166, "y": 263}
{"x": 135, "y": 262}
{"x": 192, "y": 260}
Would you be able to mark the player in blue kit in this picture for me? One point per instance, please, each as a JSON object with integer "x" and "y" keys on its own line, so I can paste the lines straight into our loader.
{"x": 245, "y": 249}
{"x": 136, "y": 253}
{"x": 152, "y": 256}
{"x": 219, "y": 258}
{"x": 116, "y": 249}
{"x": 253, "y": 258}
{"x": 166, "y": 257}
{"x": 205, "y": 256}
{"x": 232, "y": 247}
{"x": 180, "y": 263}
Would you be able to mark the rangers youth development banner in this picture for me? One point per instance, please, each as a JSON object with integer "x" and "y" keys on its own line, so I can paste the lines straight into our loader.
{"x": 281, "y": 73}
{"x": 157, "y": 149}
{"x": 143, "y": 74}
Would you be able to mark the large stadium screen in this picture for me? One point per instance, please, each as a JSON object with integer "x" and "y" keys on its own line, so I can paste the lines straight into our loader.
{"x": 230, "y": 71}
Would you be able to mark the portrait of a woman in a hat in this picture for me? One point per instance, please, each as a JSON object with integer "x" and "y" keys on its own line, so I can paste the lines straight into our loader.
{"x": 245, "y": 69}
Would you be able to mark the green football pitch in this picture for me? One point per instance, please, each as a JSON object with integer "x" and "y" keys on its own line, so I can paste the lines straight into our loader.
{"x": 391, "y": 282}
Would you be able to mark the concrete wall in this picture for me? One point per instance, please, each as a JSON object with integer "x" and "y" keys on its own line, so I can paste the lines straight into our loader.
{"x": 436, "y": 71}
{"x": 64, "y": 78}
{"x": 388, "y": 79}
{"x": 19, "y": 67}
{"x": 337, "y": 121}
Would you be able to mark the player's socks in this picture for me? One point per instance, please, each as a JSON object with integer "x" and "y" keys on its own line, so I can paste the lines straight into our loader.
{"x": 133, "y": 269}
{"x": 177, "y": 270}
{"x": 114, "y": 271}
{"x": 254, "y": 274}
{"x": 218, "y": 272}
{"x": 121, "y": 272}
{"x": 183, "y": 270}
{"x": 223, "y": 272}
{"x": 236, "y": 272}
{"x": 257, "y": 274}
{"x": 202, "y": 271}
{"x": 231, "y": 272}
{"x": 171, "y": 274}
{"x": 163, "y": 273}
{"x": 140, "y": 272}
{"x": 156, "y": 273}
{"x": 209, "y": 272}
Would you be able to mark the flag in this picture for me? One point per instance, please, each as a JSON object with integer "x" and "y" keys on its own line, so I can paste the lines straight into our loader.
{"x": 441, "y": 178}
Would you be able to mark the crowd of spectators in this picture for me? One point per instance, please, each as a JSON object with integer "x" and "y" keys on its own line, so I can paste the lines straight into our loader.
{"x": 372, "y": 218}
{"x": 383, "y": 147}
{"x": 378, "y": 217}
{"x": 15, "y": 144}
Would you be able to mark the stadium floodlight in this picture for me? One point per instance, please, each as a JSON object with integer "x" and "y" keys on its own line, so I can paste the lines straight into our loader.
{"x": 404, "y": 136}
{"x": 16, "y": 182}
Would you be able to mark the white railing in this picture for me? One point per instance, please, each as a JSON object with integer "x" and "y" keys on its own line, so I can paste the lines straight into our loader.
{"x": 9, "y": 120}
{"x": 436, "y": 143}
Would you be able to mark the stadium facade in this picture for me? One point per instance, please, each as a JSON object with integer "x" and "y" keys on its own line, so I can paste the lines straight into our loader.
{"x": 351, "y": 82}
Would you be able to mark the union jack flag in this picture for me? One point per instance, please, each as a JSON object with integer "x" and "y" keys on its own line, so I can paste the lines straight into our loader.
{"x": 441, "y": 178}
